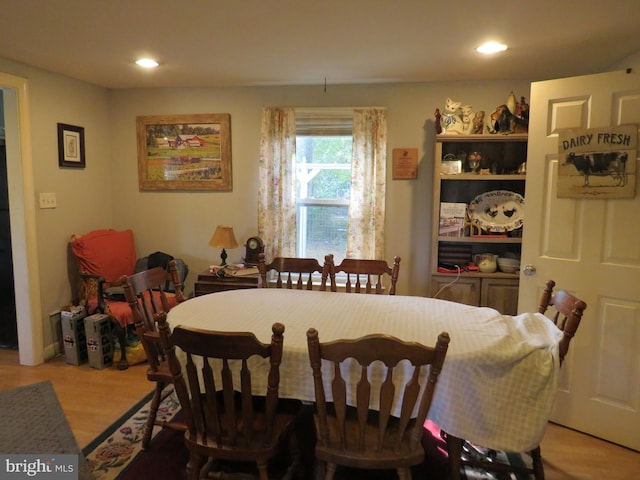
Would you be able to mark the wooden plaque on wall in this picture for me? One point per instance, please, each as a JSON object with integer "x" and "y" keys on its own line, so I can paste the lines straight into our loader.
{"x": 405, "y": 163}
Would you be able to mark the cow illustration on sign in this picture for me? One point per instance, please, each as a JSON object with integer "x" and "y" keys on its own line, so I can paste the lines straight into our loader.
{"x": 597, "y": 162}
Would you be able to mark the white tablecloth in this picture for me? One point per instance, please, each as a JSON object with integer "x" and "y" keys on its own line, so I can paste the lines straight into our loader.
{"x": 500, "y": 375}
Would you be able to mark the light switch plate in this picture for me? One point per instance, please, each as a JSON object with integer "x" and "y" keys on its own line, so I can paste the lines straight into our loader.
{"x": 48, "y": 200}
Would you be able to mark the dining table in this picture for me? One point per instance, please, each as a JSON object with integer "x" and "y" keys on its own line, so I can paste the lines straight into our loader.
{"x": 499, "y": 378}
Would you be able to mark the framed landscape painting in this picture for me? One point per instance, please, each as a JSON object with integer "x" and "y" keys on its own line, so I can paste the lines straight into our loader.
{"x": 184, "y": 152}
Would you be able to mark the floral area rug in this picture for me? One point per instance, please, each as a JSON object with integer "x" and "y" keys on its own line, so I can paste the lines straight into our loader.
{"x": 117, "y": 454}
{"x": 109, "y": 455}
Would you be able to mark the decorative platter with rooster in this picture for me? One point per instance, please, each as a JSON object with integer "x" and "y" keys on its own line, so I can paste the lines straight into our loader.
{"x": 498, "y": 211}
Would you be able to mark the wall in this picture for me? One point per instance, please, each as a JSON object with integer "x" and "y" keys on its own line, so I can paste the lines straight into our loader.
{"x": 105, "y": 193}
{"x": 83, "y": 196}
{"x": 191, "y": 217}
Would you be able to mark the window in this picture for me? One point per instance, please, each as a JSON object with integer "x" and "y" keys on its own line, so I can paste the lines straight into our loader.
{"x": 322, "y": 182}
{"x": 323, "y": 179}
{"x": 324, "y": 146}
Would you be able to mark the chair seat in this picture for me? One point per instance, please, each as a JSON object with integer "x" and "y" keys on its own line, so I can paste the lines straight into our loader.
{"x": 121, "y": 311}
{"x": 255, "y": 447}
{"x": 369, "y": 456}
{"x": 161, "y": 374}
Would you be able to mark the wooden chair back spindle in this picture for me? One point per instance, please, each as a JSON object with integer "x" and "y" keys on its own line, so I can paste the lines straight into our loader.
{"x": 294, "y": 273}
{"x": 367, "y": 276}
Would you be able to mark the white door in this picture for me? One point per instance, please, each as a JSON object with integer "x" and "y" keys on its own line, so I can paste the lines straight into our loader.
{"x": 591, "y": 248}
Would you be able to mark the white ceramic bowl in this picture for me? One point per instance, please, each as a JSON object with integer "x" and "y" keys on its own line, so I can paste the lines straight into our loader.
{"x": 508, "y": 265}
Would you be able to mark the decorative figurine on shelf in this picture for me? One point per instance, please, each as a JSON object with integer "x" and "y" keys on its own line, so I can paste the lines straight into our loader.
{"x": 522, "y": 109}
{"x": 478, "y": 123}
{"x": 470, "y": 224}
{"x": 438, "y": 121}
{"x": 451, "y": 120}
{"x": 467, "y": 119}
{"x": 509, "y": 117}
{"x": 511, "y": 102}
{"x": 503, "y": 121}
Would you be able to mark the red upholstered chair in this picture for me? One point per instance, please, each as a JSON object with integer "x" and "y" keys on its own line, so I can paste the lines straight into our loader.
{"x": 104, "y": 257}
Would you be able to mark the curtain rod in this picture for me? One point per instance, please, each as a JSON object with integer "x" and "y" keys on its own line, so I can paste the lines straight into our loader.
{"x": 328, "y": 111}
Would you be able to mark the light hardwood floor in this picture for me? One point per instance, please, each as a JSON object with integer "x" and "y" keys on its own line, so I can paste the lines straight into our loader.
{"x": 93, "y": 399}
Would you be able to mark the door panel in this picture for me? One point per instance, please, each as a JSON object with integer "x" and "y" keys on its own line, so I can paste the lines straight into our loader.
{"x": 590, "y": 247}
{"x": 559, "y": 213}
{"x": 616, "y": 353}
{"x": 621, "y": 250}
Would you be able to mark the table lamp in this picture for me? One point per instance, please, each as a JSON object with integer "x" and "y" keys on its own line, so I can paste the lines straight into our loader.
{"x": 223, "y": 238}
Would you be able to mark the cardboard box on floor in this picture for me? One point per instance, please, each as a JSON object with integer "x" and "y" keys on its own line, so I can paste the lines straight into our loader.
{"x": 98, "y": 329}
{"x": 73, "y": 335}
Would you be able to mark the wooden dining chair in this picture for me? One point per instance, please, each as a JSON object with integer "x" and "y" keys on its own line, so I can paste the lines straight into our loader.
{"x": 225, "y": 420}
{"x": 295, "y": 273}
{"x": 367, "y": 276}
{"x": 567, "y": 313}
{"x": 148, "y": 293}
{"x": 364, "y": 433}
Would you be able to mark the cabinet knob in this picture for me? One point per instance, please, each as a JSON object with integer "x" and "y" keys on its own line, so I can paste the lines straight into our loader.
{"x": 529, "y": 270}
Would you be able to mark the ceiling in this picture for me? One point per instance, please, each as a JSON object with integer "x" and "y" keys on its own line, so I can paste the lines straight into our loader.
{"x": 207, "y": 43}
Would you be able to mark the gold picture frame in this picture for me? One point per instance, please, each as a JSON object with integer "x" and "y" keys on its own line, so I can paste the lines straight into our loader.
{"x": 184, "y": 152}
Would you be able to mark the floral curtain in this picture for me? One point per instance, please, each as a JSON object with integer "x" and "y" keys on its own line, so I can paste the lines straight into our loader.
{"x": 276, "y": 191}
{"x": 365, "y": 229}
{"x": 277, "y": 196}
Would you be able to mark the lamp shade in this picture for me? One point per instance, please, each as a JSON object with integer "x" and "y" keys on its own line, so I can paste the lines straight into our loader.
{"x": 223, "y": 237}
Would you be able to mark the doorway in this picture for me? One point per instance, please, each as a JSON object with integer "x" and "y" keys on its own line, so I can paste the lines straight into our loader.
{"x": 22, "y": 214}
{"x": 8, "y": 326}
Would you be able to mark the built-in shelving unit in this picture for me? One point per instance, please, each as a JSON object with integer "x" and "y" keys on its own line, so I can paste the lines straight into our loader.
{"x": 503, "y": 167}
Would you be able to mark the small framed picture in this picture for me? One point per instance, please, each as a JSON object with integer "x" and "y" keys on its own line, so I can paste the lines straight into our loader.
{"x": 451, "y": 167}
{"x": 405, "y": 163}
{"x": 70, "y": 146}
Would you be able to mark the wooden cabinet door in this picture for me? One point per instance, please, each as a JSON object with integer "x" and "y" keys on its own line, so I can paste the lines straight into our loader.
{"x": 464, "y": 290}
{"x": 501, "y": 294}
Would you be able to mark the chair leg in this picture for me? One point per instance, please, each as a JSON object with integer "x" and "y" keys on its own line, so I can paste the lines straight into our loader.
{"x": 538, "y": 468}
{"x": 330, "y": 470}
{"x": 454, "y": 448}
{"x": 319, "y": 469}
{"x": 404, "y": 473}
{"x": 196, "y": 462}
{"x": 121, "y": 333}
{"x": 263, "y": 472}
{"x": 305, "y": 439}
{"x": 153, "y": 411}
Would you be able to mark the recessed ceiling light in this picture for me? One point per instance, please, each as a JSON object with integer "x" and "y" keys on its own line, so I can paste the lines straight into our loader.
{"x": 147, "y": 63}
{"x": 491, "y": 47}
